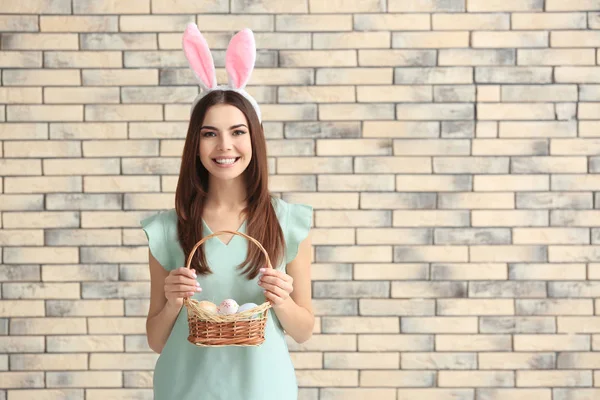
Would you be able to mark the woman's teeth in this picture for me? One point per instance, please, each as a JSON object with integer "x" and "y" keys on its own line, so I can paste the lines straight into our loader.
{"x": 227, "y": 161}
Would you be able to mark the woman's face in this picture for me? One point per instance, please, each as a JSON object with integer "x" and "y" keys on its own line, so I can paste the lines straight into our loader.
{"x": 225, "y": 146}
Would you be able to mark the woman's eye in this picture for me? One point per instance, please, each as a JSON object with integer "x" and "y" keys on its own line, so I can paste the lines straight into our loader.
{"x": 239, "y": 132}
{"x": 207, "y": 134}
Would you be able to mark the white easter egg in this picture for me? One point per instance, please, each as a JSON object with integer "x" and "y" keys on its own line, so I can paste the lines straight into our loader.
{"x": 228, "y": 307}
{"x": 248, "y": 306}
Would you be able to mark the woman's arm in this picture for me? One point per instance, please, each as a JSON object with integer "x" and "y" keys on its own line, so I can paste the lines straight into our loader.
{"x": 294, "y": 310}
{"x": 161, "y": 314}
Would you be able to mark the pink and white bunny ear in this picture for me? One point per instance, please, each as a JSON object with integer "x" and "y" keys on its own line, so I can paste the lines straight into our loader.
{"x": 198, "y": 55}
{"x": 240, "y": 58}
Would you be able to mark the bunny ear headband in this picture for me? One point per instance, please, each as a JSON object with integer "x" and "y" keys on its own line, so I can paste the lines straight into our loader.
{"x": 239, "y": 63}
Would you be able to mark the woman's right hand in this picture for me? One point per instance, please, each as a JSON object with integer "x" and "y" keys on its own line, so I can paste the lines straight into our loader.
{"x": 180, "y": 283}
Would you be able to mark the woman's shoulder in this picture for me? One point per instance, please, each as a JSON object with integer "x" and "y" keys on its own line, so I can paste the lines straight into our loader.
{"x": 296, "y": 221}
{"x": 161, "y": 232}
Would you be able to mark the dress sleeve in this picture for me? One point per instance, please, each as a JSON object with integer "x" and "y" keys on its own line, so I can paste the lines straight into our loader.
{"x": 154, "y": 228}
{"x": 299, "y": 221}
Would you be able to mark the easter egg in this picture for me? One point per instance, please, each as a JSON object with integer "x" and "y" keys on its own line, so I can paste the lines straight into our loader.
{"x": 228, "y": 307}
{"x": 246, "y": 307}
{"x": 208, "y": 306}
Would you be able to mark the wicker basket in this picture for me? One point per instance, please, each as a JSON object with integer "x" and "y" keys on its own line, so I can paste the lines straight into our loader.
{"x": 208, "y": 329}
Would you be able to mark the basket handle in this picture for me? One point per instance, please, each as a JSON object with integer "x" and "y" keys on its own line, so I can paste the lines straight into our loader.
{"x": 204, "y": 239}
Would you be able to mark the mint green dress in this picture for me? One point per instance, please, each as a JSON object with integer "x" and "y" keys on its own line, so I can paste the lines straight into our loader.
{"x": 184, "y": 371}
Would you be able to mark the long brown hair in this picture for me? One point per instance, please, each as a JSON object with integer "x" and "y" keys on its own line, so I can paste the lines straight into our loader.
{"x": 192, "y": 188}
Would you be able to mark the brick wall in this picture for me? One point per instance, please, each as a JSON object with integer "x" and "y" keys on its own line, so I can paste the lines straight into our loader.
{"x": 451, "y": 149}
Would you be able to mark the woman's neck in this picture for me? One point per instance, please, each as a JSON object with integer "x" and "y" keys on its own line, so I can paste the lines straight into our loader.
{"x": 229, "y": 195}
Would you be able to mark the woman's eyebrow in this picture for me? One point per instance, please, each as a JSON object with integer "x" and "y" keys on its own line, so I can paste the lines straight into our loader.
{"x": 230, "y": 128}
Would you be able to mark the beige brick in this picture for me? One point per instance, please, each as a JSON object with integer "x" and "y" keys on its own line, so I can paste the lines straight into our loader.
{"x": 135, "y": 112}
{"x": 556, "y": 57}
{"x": 473, "y": 343}
{"x": 163, "y": 94}
{"x": 48, "y": 362}
{"x": 45, "y": 113}
{"x": 509, "y": 218}
{"x": 395, "y": 58}
{"x": 325, "y": 343}
{"x": 82, "y": 59}
{"x": 539, "y": 93}
{"x": 305, "y": 165}
{"x": 22, "y": 380}
{"x": 575, "y": 218}
{"x": 357, "y": 394}
{"x": 504, "y": 183}
{"x": 417, "y": 183}
{"x": 574, "y": 182}
{"x": 526, "y": 75}
{"x": 351, "y": 40}
{"x": 547, "y": 271}
{"x": 362, "y": 254}
{"x": 336, "y": 147}
{"x": 77, "y": 379}
{"x": 471, "y": 271}
{"x": 22, "y": 308}
{"x": 589, "y": 128}
{"x": 111, "y": 7}
{"x": 394, "y": 378}
{"x": 475, "y": 307}
{"x": 18, "y": 95}
{"x": 576, "y": 5}
{"x": 47, "y": 326}
{"x": 553, "y": 378}
{"x": 537, "y": 129}
{"x": 114, "y": 325}
{"x": 471, "y": 22}
{"x": 324, "y": 378}
{"x": 430, "y": 253}
{"x": 81, "y": 95}
{"x": 21, "y": 59}
{"x": 435, "y": 40}
{"x": 461, "y": 165}
{"x": 426, "y": 6}
{"x": 438, "y": 394}
{"x": 573, "y": 253}
{"x": 24, "y": 131}
{"x": 471, "y": 236}
{"x": 488, "y": 93}
{"x": 510, "y": 5}
{"x": 521, "y": 39}
{"x": 352, "y": 218}
{"x": 512, "y": 147}
{"x": 428, "y": 289}
{"x": 555, "y": 306}
{"x": 316, "y": 94}
{"x": 122, "y": 361}
{"x": 64, "y": 23}
{"x": 118, "y": 41}
{"x": 377, "y": 342}
{"x": 577, "y": 74}
{"x": 400, "y": 22}
{"x": 476, "y": 200}
{"x": 361, "y": 361}
{"x": 121, "y": 184}
{"x": 338, "y": 112}
{"x": 439, "y": 111}
{"x": 569, "y": 38}
{"x": 317, "y": 58}
{"x": 433, "y": 75}
{"x": 354, "y": 76}
{"x": 313, "y": 23}
{"x": 439, "y": 361}
{"x": 232, "y": 22}
{"x": 549, "y": 21}
{"x": 35, "y": 77}
{"x": 40, "y": 41}
{"x": 476, "y": 378}
{"x": 47, "y": 184}
{"x": 288, "y": 112}
{"x": 116, "y": 77}
{"x": 425, "y": 218}
{"x": 67, "y": 166}
{"x": 88, "y": 343}
{"x": 580, "y": 146}
{"x": 91, "y": 308}
{"x": 19, "y": 167}
{"x": 550, "y": 236}
{"x": 372, "y": 165}
{"x": 466, "y": 57}
{"x": 396, "y": 93}
{"x": 307, "y": 360}
{"x": 41, "y": 290}
{"x": 397, "y": 307}
{"x": 514, "y": 394}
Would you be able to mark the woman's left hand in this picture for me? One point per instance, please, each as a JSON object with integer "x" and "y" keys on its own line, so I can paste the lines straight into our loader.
{"x": 277, "y": 285}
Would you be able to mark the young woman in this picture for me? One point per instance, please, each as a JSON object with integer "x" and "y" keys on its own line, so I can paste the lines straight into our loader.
{"x": 223, "y": 185}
